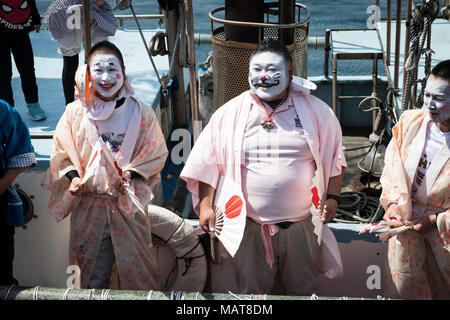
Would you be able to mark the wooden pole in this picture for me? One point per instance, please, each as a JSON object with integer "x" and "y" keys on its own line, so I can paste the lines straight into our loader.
{"x": 86, "y": 29}
{"x": 178, "y": 93}
{"x": 192, "y": 68}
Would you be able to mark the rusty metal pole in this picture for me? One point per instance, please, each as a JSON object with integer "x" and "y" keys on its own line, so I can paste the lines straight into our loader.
{"x": 192, "y": 68}
{"x": 327, "y": 52}
{"x": 388, "y": 32}
{"x": 178, "y": 94}
{"x": 86, "y": 29}
{"x": 287, "y": 16}
{"x": 398, "y": 24}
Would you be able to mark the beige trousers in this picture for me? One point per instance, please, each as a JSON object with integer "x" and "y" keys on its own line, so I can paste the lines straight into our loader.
{"x": 296, "y": 255}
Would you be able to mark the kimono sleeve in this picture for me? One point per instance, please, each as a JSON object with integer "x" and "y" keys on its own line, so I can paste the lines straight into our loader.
{"x": 338, "y": 163}
{"x": 202, "y": 164}
{"x": 64, "y": 158}
{"x": 330, "y": 138}
{"x": 393, "y": 178}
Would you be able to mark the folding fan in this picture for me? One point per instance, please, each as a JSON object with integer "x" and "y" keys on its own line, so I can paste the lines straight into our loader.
{"x": 385, "y": 229}
{"x": 317, "y": 195}
{"x": 230, "y": 214}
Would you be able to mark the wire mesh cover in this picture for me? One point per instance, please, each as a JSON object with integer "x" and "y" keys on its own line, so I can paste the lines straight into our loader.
{"x": 231, "y": 62}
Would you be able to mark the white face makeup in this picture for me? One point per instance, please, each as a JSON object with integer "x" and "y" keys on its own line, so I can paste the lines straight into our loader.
{"x": 437, "y": 99}
{"x": 269, "y": 75}
{"x": 106, "y": 73}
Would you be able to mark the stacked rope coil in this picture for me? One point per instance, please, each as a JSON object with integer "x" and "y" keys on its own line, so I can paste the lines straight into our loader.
{"x": 357, "y": 207}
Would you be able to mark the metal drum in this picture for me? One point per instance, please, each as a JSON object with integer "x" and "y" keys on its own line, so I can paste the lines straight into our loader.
{"x": 231, "y": 58}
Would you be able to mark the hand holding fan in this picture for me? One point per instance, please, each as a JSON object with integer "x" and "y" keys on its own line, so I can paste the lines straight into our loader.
{"x": 231, "y": 213}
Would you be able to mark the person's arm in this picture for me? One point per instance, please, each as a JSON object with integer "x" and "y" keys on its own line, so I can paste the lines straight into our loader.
{"x": 392, "y": 215}
{"x": 72, "y": 174}
{"x": 35, "y": 16}
{"x": 330, "y": 205}
{"x": 75, "y": 187}
{"x": 207, "y": 216}
{"x": 9, "y": 177}
{"x": 423, "y": 224}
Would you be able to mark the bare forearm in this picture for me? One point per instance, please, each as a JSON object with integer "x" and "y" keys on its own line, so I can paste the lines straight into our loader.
{"x": 206, "y": 195}
{"x": 207, "y": 216}
{"x": 9, "y": 177}
{"x": 330, "y": 206}
{"x": 335, "y": 184}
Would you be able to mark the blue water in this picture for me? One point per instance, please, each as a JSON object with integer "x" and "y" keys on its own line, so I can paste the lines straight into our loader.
{"x": 324, "y": 14}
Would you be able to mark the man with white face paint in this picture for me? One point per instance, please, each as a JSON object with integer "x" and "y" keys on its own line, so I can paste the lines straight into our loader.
{"x": 272, "y": 140}
{"x": 107, "y": 75}
{"x": 415, "y": 184}
{"x": 107, "y": 153}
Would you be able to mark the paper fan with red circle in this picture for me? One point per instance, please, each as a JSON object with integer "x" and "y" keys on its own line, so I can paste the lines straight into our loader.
{"x": 230, "y": 214}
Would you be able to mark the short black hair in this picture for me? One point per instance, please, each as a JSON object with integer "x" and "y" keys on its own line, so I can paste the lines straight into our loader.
{"x": 273, "y": 45}
{"x": 106, "y": 47}
{"x": 442, "y": 70}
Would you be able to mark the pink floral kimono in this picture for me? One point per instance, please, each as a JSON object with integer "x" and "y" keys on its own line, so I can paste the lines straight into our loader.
{"x": 144, "y": 151}
{"x": 417, "y": 269}
{"x": 219, "y": 151}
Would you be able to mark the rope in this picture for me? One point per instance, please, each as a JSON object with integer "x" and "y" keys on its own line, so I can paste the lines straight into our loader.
{"x": 389, "y": 105}
{"x": 243, "y": 298}
{"x": 166, "y": 242}
{"x": 36, "y": 293}
{"x": 422, "y": 16}
{"x": 105, "y": 294}
{"x": 8, "y": 291}
{"x": 358, "y": 208}
{"x": 314, "y": 297}
{"x": 177, "y": 295}
{"x": 178, "y": 50}
{"x": 188, "y": 260}
{"x": 145, "y": 44}
{"x": 187, "y": 263}
{"x": 66, "y": 293}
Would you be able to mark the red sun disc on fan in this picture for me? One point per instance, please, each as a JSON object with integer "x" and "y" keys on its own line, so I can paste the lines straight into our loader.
{"x": 315, "y": 198}
{"x": 233, "y": 207}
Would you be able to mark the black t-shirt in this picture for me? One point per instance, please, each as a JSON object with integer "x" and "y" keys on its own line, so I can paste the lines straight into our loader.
{"x": 18, "y": 16}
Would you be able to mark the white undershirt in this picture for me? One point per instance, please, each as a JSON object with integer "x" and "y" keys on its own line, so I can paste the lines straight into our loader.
{"x": 434, "y": 141}
{"x": 113, "y": 129}
{"x": 279, "y": 167}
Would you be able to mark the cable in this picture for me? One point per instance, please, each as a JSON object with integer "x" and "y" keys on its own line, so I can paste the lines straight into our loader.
{"x": 357, "y": 207}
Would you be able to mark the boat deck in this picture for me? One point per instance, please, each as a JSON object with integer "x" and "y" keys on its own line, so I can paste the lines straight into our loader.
{"x": 48, "y": 64}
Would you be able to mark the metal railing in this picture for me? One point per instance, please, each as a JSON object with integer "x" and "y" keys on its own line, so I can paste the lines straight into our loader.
{"x": 123, "y": 17}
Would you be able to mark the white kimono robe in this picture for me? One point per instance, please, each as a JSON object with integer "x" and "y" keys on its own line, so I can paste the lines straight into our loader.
{"x": 417, "y": 269}
{"x": 219, "y": 151}
{"x": 144, "y": 151}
